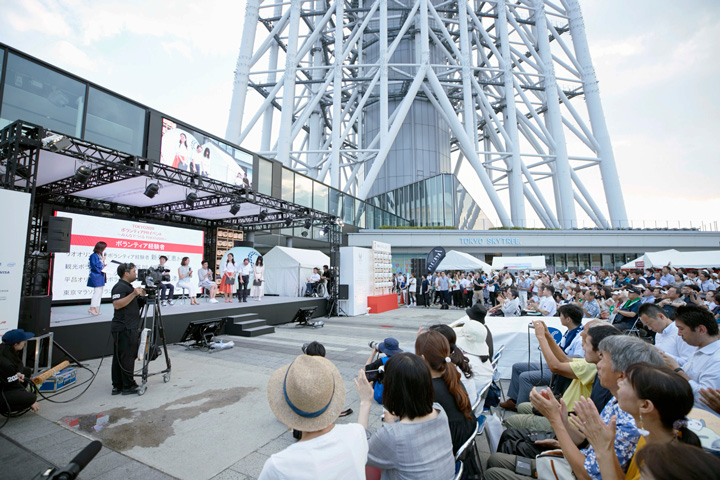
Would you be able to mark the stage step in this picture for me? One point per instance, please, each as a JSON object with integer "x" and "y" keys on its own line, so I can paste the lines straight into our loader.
{"x": 255, "y": 331}
{"x": 246, "y": 324}
{"x": 240, "y": 318}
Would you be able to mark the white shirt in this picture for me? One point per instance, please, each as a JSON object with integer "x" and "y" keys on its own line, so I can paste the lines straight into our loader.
{"x": 671, "y": 343}
{"x": 230, "y": 268}
{"x": 548, "y": 304}
{"x": 340, "y": 453}
{"x": 575, "y": 349}
{"x": 412, "y": 284}
{"x": 245, "y": 270}
{"x": 702, "y": 368}
{"x": 314, "y": 278}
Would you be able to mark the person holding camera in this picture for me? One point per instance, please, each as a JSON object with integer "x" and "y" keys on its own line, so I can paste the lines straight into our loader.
{"x": 388, "y": 347}
{"x": 185, "y": 283}
{"x": 14, "y": 375}
{"x": 165, "y": 289}
{"x": 125, "y": 328}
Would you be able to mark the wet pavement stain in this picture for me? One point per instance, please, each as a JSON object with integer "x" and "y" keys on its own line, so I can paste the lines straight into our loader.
{"x": 150, "y": 428}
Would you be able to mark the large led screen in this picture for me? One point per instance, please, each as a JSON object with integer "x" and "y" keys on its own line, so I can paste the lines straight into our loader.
{"x": 127, "y": 242}
{"x": 197, "y": 153}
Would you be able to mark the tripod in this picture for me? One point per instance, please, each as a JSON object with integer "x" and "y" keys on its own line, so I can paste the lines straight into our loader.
{"x": 157, "y": 331}
{"x": 334, "y": 303}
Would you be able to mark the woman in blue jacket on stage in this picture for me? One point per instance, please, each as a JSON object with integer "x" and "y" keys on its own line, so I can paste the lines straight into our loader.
{"x": 97, "y": 277}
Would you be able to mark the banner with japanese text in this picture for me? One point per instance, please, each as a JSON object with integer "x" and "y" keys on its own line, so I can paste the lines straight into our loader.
{"x": 127, "y": 242}
{"x": 12, "y": 255}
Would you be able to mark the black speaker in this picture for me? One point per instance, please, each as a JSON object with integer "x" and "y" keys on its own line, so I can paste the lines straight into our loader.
{"x": 418, "y": 267}
{"x": 343, "y": 292}
{"x": 59, "y": 230}
{"x": 35, "y": 314}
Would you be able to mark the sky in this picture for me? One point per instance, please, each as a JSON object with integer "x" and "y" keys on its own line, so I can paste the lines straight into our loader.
{"x": 653, "y": 59}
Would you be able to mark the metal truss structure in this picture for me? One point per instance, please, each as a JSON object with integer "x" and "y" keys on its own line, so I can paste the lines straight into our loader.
{"x": 512, "y": 82}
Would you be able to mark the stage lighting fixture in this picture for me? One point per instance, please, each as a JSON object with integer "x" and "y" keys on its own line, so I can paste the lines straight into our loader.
{"x": 263, "y": 215}
{"x": 304, "y": 233}
{"x": 324, "y": 231}
{"x": 152, "y": 189}
{"x": 288, "y": 222}
{"x": 308, "y": 224}
{"x": 191, "y": 198}
{"x": 82, "y": 173}
{"x": 235, "y": 208}
{"x": 56, "y": 142}
{"x": 338, "y": 221}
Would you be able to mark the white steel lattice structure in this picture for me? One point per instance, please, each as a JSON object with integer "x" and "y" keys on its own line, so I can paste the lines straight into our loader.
{"x": 376, "y": 94}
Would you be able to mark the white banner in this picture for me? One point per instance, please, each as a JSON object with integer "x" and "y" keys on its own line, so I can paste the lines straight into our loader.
{"x": 127, "y": 242}
{"x": 12, "y": 255}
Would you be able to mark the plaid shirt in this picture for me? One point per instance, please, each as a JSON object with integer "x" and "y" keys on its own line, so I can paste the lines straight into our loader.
{"x": 626, "y": 438}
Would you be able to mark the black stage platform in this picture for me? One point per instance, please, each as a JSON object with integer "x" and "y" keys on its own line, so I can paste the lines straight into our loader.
{"x": 86, "y": 336}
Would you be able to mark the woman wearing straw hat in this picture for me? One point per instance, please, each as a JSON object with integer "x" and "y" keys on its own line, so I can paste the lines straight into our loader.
{"x": 308, "y": 395}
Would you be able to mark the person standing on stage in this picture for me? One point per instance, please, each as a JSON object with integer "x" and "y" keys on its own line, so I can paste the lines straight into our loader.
{"x": 244, "y": 277}
{"x": 228, "y": 279}
{"x": 97, "y": 278}
{"x": 125, "y": 328}
{"x": 258, "y": 286}
{"x": 205, "y": 278}
{"x": 165, "y": 289}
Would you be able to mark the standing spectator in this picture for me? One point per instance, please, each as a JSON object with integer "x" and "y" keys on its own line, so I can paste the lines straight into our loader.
{"x": 205, "y": 280}
{"x": 444, "y": 289}
{"x": 228, "y": 279}
{"x": 424, "y": 290}
{"x": 185, "y": 280}
{"x": 412, "y": 289}
{"x": 492, "y": 286}
{"x": 97, "y": 278}
{"x": 258, "y": 287}
{"x": 456, "y": 291}
{"x": 477, "y": 285}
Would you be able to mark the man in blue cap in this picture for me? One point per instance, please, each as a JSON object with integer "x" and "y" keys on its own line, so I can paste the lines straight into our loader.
{"x": 388, "y": 347}
{"x": 13, "y": 374}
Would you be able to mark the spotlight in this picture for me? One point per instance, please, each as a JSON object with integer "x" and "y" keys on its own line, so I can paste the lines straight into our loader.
{"x": 56, "y": 143}
{"x": 338, "y": 221}
{"x": 324, "y": 231}
{"x": 152, "y": 189}
{"x": 235, "y": 208}
{"x": 263, "y": 215}
{"x": 82, "y": 173}
{"x": 288, "y": 222}
{"x": 304, "y": 233}
{"x": 190, "y": 199}
{"x": 308, "y": 224}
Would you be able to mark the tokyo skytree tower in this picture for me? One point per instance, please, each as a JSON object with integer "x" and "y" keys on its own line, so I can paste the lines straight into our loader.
{"x": 373, "y": 95}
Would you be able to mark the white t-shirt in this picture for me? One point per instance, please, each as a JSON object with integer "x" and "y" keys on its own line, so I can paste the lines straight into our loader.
{"x": 412, "y": 284}
{"x": 340, "y": 453}
{"x": 549, "y": 305}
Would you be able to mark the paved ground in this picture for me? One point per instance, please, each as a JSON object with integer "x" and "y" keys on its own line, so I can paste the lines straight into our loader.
{"x": 212, "y": 420}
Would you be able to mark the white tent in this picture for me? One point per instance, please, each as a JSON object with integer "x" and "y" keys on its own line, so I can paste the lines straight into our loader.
{"x": 707, "y": 259}
{"x": 287, "y": 269}
{"x": 519, "y": 263}
{"x": 455, "y": 260}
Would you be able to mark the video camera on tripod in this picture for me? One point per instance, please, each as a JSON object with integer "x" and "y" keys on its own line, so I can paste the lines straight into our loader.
{"x": 151, "y": 277}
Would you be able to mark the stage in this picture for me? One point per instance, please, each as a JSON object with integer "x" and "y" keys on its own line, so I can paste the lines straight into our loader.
{"x": 86, "y": 336}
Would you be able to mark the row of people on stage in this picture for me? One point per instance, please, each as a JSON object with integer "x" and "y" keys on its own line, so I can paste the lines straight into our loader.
{"x": 238, "y": 276}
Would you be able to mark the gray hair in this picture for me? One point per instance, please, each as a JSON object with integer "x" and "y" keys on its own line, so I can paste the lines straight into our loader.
{"x": 625, "y": 351}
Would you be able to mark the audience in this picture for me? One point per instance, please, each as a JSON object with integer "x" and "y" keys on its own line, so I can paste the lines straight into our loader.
{"x": 472, "y": 341}
{"x": 462, "y": 363}
{"x": 666, "y": 333}
{"x": 673, "y": 461}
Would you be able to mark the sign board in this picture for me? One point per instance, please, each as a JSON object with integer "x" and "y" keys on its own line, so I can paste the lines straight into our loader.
{"x": 12, "y": 255}
{"x": 434, "y": 258}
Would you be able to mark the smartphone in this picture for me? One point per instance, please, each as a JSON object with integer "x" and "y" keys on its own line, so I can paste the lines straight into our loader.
{"x": 523, "y": 466}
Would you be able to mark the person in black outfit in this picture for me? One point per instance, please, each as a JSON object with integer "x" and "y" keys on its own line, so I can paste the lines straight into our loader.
{"x": 125, "y": 328}
{"x": 329, "y": 278}
{"x": 424, "y": 289}
{"x": 14, "y": 396}
{"x": 166, "y": 290}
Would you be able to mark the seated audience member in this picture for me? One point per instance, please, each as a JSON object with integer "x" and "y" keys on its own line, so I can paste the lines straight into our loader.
{"x": 666, "y": 333}
{"x": 508, "y": 303}
{"x": 472, "y": 341}
{"x": 626, "y": 314}
{"x": 526, "y": 375}
{"x": 671, "y": 301}
{"x": 418, "y": 445}
{"x": 388, "y": 347}
{"x": 617, "y": 353}
{"x": 583, "y": 372}
{"x": 462, "y": 363}
{"x": 14, "y": 375}
{"x": 660, "y": 462}
{"x": 706, "y": 282}
{"x": 658, "y": 400}
{"x": 590, "y": 307}
{"x": 477, "y": 312}
{"x": 697, "y": 326}
{"x": 308, "y": 395}
{"x": 546, "y": 305}
{"x": 434, "y": 348}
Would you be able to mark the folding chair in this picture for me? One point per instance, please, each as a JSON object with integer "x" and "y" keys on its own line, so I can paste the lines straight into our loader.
{"x": 459, "y": 468}
{"x": 496, "y": 372}
{"x": 466, "y": 449}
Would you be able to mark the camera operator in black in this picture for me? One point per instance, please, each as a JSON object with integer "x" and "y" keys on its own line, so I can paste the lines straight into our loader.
{"x": 14, "y": 375}
{"x": 166, "y": 289}
{"x": 125, "y": 328}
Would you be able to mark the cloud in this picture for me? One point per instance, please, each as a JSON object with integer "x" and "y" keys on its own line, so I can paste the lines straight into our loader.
{"x": 68, "y": 54}
{"x": 38, "y": 16}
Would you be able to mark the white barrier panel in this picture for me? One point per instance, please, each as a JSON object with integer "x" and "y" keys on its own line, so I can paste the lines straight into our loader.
{"x": 12, "y": 255}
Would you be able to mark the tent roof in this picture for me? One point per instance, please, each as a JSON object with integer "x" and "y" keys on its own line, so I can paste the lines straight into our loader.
{"x": 297, "y": 256}
{"x": 518, "y": 263}
{"x": 703, "y": 259}
{"x": 455, "y": 260}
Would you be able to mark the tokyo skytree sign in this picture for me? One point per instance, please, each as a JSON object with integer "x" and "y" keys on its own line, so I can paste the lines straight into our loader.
{"x": 373, "y": 95}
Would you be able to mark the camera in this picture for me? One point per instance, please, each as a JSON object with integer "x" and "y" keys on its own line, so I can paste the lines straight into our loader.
{"x": 373, "y": 344}
{"x": 375, "y": 375}
{"x": 152, "y": 277}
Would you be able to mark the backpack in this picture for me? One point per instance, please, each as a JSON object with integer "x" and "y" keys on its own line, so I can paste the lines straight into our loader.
{"x": 378, "y": 387}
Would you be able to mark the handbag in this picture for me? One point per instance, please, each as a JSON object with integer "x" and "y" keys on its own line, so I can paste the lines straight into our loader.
{"x": 521, "y": 441}
{"x": 229, "y": 280}
{"x": 552, "y": 465}
{"x": 257, "y": 283}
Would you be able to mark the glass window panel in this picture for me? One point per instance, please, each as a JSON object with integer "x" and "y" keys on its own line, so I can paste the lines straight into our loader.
{"x": 584, "y": 261}
{"x": 595, "y": 261}
{"x": 38, "y": 95}
{"x": 560, "y": 262}
{"x": 335, "y": 205}
{"x": 618, "y": 260}
{"x": 378, "y": 218}
{"x": 288, "y": 184}
{"x": 349, "y": 210}
{"x": 448, "y": 201}
{"x": 607, "y": 261}
{"x": 320, "y": 197}
{"x": 303, "y": 191}
{"x": 360, "y": 217}
{"x": 264, "y": 178}
{"x": 572, "y": 261}
{"x": 114, "y": 123}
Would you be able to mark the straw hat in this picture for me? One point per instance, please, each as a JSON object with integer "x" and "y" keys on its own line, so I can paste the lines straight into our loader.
{"x": 471, "y": 338}
{"x": 308, "y": 394}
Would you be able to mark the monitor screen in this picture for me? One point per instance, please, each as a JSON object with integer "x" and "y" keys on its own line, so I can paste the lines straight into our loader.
{"x": 127, "y": 242}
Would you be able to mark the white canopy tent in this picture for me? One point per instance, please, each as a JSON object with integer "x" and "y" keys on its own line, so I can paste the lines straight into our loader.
{"x": 519, "y": 263}
{"x": 455, "y": 260}
{"x": 287, "y": 269}
{"x": 706, "y": 259}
